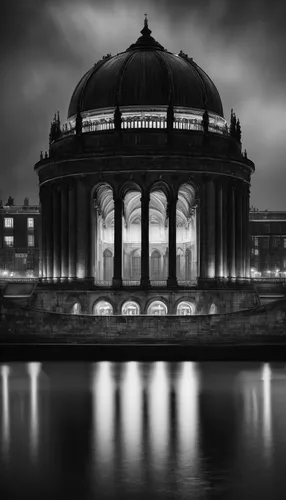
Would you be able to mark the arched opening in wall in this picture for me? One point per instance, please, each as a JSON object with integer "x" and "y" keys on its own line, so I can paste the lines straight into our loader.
{"x": 186, "y": 237}
{"x": 136, "y": 265}
{"x": 131, "y": 233}
{"x": 158, "y": 235}
{"x": 213, "y": 309}
{"x": 185, "y": 308}
{"x": 157, "y": 308}
{"x": 102, "y": 220}
{"x": 130, "y": 308}
{"x": 180, "y": 264}
{"x": 155, "y": 271}
{"x": 107, "y": 265}
{"x": 76, "y": 308}
{"x": 103, "y": 308}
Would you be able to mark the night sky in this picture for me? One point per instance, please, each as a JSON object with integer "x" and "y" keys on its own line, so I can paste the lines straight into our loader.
{"x": 47, "y": 45}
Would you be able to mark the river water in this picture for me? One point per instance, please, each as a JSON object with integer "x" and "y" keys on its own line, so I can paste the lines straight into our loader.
{"x": 135, "y": 430}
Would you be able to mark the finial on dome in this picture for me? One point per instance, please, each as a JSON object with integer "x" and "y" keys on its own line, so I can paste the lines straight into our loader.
{"x": 146, "y": 31}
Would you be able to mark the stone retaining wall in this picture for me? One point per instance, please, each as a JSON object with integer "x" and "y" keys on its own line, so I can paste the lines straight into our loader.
{"x": 263, "y": 320}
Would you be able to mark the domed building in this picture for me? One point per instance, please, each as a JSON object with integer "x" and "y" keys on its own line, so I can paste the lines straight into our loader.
{"x": 145, "y": 193}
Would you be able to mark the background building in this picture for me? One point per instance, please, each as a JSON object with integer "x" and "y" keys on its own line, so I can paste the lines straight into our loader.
{"x": 268, "y": 244}
{"x": 19, "y": 239}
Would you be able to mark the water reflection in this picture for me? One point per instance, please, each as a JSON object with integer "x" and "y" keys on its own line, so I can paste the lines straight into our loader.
{"x": 267, "y": 410}
{"x": 34, "y": 371}
{"x": 5, "y": 371}
{"x": 139, "y": 430}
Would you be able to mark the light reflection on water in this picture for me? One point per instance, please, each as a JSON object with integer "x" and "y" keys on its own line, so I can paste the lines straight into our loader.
{"x": 163, "y": 430}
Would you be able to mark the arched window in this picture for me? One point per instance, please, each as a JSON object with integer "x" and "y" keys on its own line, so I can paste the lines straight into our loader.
{"x": 179, "y": 262}
{"x": 135, "y": 265}
{"x": 76, "y": 308}
{"x": 157, "y": 308}
{"x": 213, "y": 309}
{"x": 130, "y": 308}
{"x": 188, "y": 264}
{"x": 107, "y": 265}
{"x": 185, "y": 308}
{"x": 103, "y": 308}
{"x": 155, "y": 265}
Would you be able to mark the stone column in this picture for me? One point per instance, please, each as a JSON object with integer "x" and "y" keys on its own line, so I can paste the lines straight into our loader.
{"x": 247, "y": 235}
{"x": 43, "y": 251}
{"x": 64, "y": 232}
{"x": 231, "y": 232}
{"x": 211, "y": 228}
{"x": 219, "y": 231}
{"x": 81, "y": 229}
{"x": 117, "y": 262}
{"x": 239, "y": 232}
{"x": 172, "y": 267}
{"x": 93, "y": 242}
{"x": 49, "y": 230}
{"x": 224, "y": 227}
{"x": 72, "y": 232}
{"x": 145, "y": 278}
{"x": 56, "y": 230}
{"x": 203, "y": 273}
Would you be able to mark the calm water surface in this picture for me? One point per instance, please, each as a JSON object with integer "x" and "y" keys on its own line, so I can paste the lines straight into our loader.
{"x": 143, "y": 430}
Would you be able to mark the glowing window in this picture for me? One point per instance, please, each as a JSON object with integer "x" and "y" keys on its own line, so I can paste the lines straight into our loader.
{"x": 76, "y": 308}
{"x": 31, "y": 240}
{"x": 185, "y": 308}
{"x": 8, "y": 222}
{"x": 213, "y": 309}
{"x": 130, "y": 308}
{"x": 9, "y": 241}
{"x": 103, "y": 308}
{"x": 30, "y": 222}
{"x": 157, "y": 308}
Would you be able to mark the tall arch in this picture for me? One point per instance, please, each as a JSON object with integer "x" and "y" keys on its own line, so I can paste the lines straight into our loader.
{"x": 102, "y": 229}
{"x": 158, "y": 231}
{"x": 186, "y": 227}
{"x": 107, "y": 265}
{"x": 131, "y": 231}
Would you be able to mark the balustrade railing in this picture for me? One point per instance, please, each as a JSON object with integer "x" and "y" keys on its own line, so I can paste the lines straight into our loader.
{"x": 103, "y": 282}
{"x": 131, "y": 282}
{"x": 187, "y": 283}
{"x": 159, "y": 283}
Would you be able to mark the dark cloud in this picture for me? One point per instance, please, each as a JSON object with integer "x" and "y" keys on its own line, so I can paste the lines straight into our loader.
{"x": 46, "y": 46}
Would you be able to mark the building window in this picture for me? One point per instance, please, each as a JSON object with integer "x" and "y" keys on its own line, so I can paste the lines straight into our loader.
{"x": 9, "y": 241}
{"x": 256, "y": 252}
{"x": 30, "y": 222}
{"x": 256, "y": 241}
{"x": 284, "y": 242}
{"x": 8, "y": 222}
{"x": 31, "y": 240}
{"x": 276, "y": 242}
{"x": 265, "y": 242}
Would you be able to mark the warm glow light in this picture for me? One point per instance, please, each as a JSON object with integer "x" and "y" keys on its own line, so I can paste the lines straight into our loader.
{"x": 185, "y": 308}
{"x": 34, "y": 370}
{"x": 130, "y": 308}
{"x": 5, "y": 371}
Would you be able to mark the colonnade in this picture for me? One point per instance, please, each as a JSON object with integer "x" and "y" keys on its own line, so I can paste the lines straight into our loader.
{"x": 224, "y": 238}
{"x": 222, "y": 232}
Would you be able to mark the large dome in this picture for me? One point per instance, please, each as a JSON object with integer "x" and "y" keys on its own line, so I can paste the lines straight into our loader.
{"x": 145, "y": 74}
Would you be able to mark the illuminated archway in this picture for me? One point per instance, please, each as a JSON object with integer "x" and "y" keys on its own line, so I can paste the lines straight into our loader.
{"x": 130, "y": 308}
{"x": 185, "y": 308}
{"x": 76, "y": 308}
{"x": 213, "y": 309}
{"x": 158, "y": 234}
{"x": 107, "y": 265}
{"x": 102, "y": 217}
{"x": 157, "y": 308}
{"x": 186, "y": 233}
{"x": 131, "y": 232}
{"x": 103, "y": 308}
